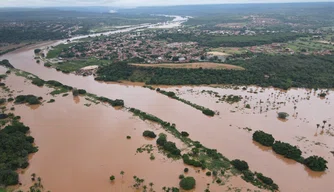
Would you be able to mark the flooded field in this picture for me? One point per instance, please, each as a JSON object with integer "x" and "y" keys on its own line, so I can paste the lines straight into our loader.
{"x": 81, "y": 146}
{"x": 229, "y": 131}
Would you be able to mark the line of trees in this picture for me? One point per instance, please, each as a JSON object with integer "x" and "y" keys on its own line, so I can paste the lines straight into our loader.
{"x": 6, "y": 63}
{"x": 251, "y": 177}
{"x": 315, "y": 163}
{"x": 278, "y": 71}
{"x": 204, "y": 110}
{"x": 230, "y": 40}
{"x": 200, "y": 156}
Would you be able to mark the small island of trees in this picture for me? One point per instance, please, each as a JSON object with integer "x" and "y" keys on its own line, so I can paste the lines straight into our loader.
{"x": 263, "y": 138}
{"x": 240, "y": 164}
{"x": 187, "y": 183}
{"x": 282, "y": 115}
{"x": 30, "y": 99}
{"x": 149, "y": 134}
{"x": 168, "y": 145}
{"x": 315, "y": 163}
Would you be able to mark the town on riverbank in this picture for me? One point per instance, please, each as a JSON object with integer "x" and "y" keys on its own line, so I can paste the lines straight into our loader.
{"x": 216, "y": 102}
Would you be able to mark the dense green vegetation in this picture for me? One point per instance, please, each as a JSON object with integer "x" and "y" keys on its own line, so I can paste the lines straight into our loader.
{"x": 184, "y": 134}
{"x": 264, "y": 179}
{"x": 289, "y": 151}
{"x": 240, "y": 164}
{"x": 191, "y": 161}
{"x": 188, "y": 183}
{"x": 112, "y": 178}
{"x": 15, "y": 146}
{"x": 6, "y": 63}
{"x": 282, "y": 115}
{"x": 36, "y": 51}
{"x": 200, "y": 156}
{"x": 20, "y": 34}
{"x": 54, "y": 83}
{"x": 26, "y": 25}
{"x": 229, "y": 41}
{"x": 278, "y": 71}
{"x": 30, "y": 99}
{"x": 316, "y": 163}
{"x": 263, "y": 138}
{"x": 38, "y": 82}
{"x": 204, "y": 110}
{"x": 168, "y": 146}
{"x": 149, "y": 134}
{"x": 82, "y": 91}
{"x": 114, "y": 103}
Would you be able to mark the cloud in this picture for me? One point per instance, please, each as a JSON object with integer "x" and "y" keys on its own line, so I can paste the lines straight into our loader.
{"x": 127, "y": 3}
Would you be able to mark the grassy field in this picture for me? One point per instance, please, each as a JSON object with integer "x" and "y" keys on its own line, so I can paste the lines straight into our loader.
{"x": 309, "y": 45}
{"x": 55, "y": 51}
{"x": 2, "y": 190}
{"x": 75, "y": 65}
{"x": 204, "y": 65}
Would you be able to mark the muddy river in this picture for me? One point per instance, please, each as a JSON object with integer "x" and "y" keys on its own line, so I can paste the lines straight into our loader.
{"x": 80, "y": 147}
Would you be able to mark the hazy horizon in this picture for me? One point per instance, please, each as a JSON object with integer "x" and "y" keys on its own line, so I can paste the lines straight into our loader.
{"x": 136, "y": 3}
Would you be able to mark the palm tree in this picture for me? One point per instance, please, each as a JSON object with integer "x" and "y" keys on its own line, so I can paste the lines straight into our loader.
{"x": 324, "y": 121}
{"x": 151, "y": 186}
{"x": 318, "y": 126}
{"x": 122, "y": 173}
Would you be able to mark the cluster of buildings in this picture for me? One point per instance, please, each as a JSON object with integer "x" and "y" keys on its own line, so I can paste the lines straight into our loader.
{"x": 283, "y": 48}
{"x": 136, "y": 47}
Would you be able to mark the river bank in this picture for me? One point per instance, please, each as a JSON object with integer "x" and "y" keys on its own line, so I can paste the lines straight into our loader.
{"x": 68, "y": 133}
{"x": 225, "y": 133}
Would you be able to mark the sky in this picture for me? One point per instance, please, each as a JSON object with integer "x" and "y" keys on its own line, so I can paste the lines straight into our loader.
{"x": 132, "y": 3}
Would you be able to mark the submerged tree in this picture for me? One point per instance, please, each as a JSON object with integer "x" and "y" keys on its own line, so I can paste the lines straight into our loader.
{"x": 188, "y": 183}
{"x": 316, "y": 163}
{"x": 283, "y": 115}
{"x": 112, "y": 178}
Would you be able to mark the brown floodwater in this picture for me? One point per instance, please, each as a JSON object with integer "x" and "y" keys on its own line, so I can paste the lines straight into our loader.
{"x": 224, "y": 132}
{"x": 80, "y": 147}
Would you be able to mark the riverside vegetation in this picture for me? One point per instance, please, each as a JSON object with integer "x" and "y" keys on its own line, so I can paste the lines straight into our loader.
{"x": 172, "y": 95}
{"x": 15, "y": 146}
{"x": 200, "y": 156}
{"x": 315, "y": 163}
{"x": 278, "y": 71}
